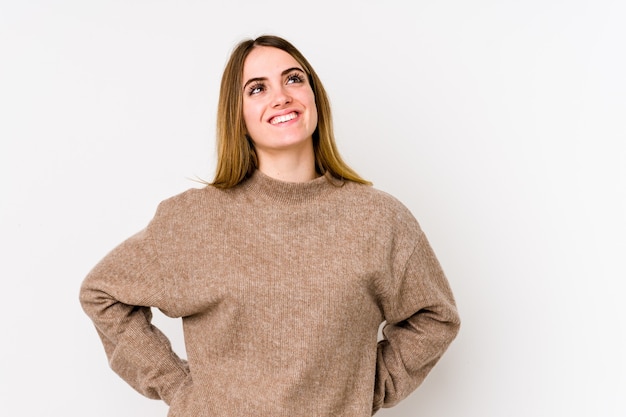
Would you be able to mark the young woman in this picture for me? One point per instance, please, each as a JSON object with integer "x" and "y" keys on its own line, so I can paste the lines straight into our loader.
{"x": 282, "y": 269}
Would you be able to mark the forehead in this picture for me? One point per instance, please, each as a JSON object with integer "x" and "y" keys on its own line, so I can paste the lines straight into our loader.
{"x": 265, "y": 61}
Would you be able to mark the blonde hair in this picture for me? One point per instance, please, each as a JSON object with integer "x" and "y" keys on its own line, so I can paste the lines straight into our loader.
{"x": 236, "y": 156}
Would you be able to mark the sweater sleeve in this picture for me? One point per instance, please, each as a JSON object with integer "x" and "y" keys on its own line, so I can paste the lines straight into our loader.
{"x": 421, "y": 322}
{"x": 117, "y": 295}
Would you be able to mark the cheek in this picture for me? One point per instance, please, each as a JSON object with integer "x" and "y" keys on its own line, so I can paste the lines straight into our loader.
{"x": 314, "y": 113}
{"x": 248, "y": 116}
{"x": 314, "y": 117}
{"x": 310, "y": 100}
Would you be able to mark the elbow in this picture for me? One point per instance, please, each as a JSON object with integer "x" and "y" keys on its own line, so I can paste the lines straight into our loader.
{"x": 452, "y": 325}
{"x": 92, "y": 298}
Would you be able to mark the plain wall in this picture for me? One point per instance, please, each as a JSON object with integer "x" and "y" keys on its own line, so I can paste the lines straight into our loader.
{"x": 500, "y": 124}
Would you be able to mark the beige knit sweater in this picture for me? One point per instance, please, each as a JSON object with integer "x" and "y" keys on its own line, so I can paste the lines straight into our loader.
{"x": 282, "y": 288}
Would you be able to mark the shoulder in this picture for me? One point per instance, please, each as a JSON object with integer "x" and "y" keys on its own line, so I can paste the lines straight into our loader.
{"x": 189, "y": 198}
{"x": 381, "y": 206}
{"x": 375, "y": 198}
{"x": 190, "y": 206}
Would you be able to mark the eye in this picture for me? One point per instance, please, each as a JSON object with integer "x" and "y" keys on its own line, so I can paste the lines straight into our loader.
{"x": 256, "y": 88}
{"x": 295, "y": 78}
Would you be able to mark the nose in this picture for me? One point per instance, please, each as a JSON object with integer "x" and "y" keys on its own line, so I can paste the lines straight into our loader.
{"x": 281, "y": 97}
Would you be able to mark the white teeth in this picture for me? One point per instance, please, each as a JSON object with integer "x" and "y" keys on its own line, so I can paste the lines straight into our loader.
{"x": 284, "y": 118}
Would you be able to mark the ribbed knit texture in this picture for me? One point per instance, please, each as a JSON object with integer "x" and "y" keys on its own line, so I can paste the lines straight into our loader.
{"x": 282, "y": 288}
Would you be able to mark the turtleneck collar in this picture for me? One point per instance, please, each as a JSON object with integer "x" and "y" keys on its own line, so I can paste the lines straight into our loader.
{"x": 266, "y": 187}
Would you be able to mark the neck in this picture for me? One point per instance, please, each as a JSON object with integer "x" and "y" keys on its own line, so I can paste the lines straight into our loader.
{"x": 288, "y": 166}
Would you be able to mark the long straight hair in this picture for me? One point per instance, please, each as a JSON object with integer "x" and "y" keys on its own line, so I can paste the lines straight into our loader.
{"x": 236, "y": 155}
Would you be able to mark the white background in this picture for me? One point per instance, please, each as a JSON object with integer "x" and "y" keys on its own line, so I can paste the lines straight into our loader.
{"x": 500, "y": 124}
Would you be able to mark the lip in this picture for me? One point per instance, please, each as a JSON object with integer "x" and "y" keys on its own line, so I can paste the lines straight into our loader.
{"x": 282, "y": 113}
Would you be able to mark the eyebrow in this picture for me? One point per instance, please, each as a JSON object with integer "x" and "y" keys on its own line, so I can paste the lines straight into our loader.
{"x": 285, "y": 72}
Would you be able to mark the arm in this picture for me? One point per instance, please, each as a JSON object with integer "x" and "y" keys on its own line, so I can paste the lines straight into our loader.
{"x": 117, "y": 295}
{"x": 422, "y": 321}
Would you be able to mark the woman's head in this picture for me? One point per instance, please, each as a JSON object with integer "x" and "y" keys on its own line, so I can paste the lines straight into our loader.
{"x": 237, "y": 156}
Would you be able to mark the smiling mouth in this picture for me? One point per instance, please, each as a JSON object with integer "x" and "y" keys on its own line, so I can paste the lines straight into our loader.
{"x": 284, "y": 118}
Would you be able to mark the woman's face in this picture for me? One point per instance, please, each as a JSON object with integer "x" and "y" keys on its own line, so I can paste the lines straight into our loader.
{"x": 278, "y": 102}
